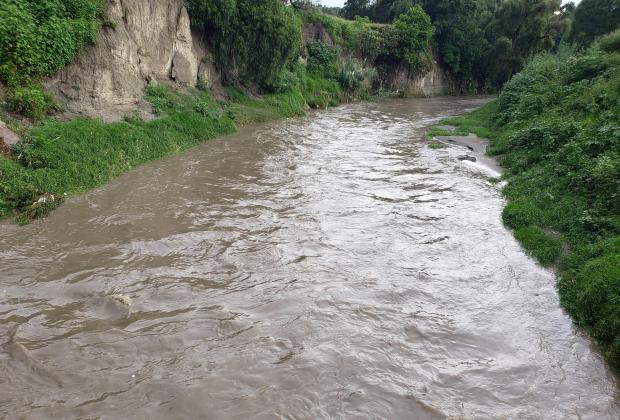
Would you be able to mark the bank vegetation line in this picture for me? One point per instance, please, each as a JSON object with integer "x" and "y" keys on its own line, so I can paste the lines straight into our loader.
{"x": 269, "y": 70}
{"x": 290, "y": 54}
{"x": 556, "y": 130}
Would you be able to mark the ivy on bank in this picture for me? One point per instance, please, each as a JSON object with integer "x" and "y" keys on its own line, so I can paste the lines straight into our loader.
{"x": 38, "y": 38}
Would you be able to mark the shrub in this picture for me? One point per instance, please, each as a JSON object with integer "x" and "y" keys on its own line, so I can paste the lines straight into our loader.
{"x": 413, "y": 31}
{"x": 592, "y": 295}
{"x": 41, "y": 37}
{"x": 610, "y": 43}
{"x": 202, "y": 84}
{"x": 407, "y": 40}
{"x": 353, "y": 76}
{"x": 518, "y": 215}
{"x": 253, "y": 40}
{"x": 32, "y": 101}
{"x": 160, "y": 98}
{"x": 321, "y": 59}
{"x": 43, "y": 206}
{"x": 203, "y": 108}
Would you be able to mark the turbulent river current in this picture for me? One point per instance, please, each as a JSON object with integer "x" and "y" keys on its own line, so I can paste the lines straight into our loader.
{"x": 332, "y": 266}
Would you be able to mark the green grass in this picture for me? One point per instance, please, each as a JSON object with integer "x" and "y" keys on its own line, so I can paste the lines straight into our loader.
{"x": 436, "y": 131}
{"x": 545, "y": 248}
{"x": 556, "y": 130}
{"x": 478, "y": 122}
{"x": 436, "y": 145}
{"x": 62, "y": 158}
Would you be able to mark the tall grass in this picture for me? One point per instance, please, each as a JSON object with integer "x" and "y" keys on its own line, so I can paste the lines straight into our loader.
{"x": 60, "y": 158}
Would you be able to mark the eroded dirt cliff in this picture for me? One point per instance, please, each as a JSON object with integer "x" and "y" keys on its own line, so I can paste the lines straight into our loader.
{"x": 146, "y": 41}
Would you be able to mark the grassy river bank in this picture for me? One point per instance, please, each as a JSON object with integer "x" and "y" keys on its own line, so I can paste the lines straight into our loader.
{"x": 267, "y": 55}
{"x": 556, "y": 130}
{"x": 61, "y": 158}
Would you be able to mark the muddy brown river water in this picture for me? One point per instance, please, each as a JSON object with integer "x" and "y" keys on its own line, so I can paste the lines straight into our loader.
{"x": 331, "y": 266}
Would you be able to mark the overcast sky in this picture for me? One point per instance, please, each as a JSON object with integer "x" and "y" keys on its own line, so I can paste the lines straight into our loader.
{"x": 341, "y": 2}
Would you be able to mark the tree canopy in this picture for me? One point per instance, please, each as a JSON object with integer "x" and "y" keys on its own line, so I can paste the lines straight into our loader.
{"x": 594, "y": 18}
{"x": 481, "y": 43}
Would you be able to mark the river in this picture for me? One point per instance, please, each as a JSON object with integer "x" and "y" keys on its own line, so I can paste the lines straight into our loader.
{"x": 332, "y": 266}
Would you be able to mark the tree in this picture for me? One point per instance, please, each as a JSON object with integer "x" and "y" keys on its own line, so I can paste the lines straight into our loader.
{"x": 518, "y": 29}
{"x": 354, "y": 8}
{"x": 594, "y": 18}
{"x": 413, "y": 31}
{"x": 253, "y": 40}
{"x": 459, "y": 37}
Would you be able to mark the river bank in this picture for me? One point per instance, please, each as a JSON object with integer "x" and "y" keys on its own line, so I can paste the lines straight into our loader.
{"x": 562, "y": 168}
{"x": 323, "y": 266}
{"x": 57, "y": 159}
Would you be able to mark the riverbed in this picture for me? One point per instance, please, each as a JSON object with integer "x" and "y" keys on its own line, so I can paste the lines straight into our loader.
{"x": 332, "y": 266}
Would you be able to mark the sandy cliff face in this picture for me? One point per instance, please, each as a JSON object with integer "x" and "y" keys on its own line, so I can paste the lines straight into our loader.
{"x": 430, "y": 83}
{"x": 313, "y": 32}
{"x": 151, "y": 41}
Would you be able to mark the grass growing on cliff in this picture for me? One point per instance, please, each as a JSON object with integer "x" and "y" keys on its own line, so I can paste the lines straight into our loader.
{"x": 556, "y": 131}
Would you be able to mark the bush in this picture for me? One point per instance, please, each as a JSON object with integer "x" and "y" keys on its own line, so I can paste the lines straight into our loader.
{"x": 518, "y": 215}
{"x": 353, "y": 76}
{"x": 254, "y": 41}
{"x": 203, "y": 108}
{"x": 413, "y": 31}
{"x": 33, "y": 102}
{"x": 160, "y": 98}
{"x": 611, "y": 42}
{"x": 40, "y": 37}
{"x": 321, "y": 59}
{"x": 202, "y": 84}
{"x": 592, "y": 295}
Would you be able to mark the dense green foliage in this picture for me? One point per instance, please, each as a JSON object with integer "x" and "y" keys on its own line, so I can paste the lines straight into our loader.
{"x": 257, "y": 44}
{"x": 31, "y": 101}
{"x": 516, "y": 30}
{"x": 384, "y": 46}
{"x": 253, "y": 40}
{"x": 345, "y": 33}
{"x": 460, "y": 38}
{"x": 322, "y": 58}
{"x": 481, "y": 43}
{"x": 594, "y": 18}
{"x": 556, "y": 129}
{"x": 412, "y": 32}
{"x": 39, "y": 37}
